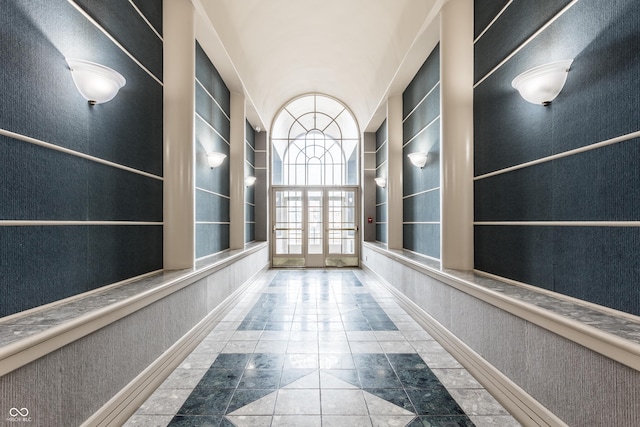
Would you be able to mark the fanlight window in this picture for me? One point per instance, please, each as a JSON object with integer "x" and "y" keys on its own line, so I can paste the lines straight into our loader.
{"x": 315, "y": 142}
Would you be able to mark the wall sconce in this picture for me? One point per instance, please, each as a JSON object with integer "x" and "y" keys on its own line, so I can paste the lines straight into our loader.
{"x": 418, "y": 159}
{"x": 381, "y": 182}
{"x": 215, "y": 159}
{"x": 541, "y": 85}
{"x": 249, "y": 181}
{"x": 95, "y": 82}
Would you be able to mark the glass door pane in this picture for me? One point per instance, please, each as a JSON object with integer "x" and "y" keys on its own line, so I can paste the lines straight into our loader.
{"x": 288, "y": 229}
{"x": 342, "y": 228}
{"x": 315, "y": 229}
{"x": 314, "y": 210}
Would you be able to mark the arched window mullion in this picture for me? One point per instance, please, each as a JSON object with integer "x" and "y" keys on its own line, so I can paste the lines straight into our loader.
{"x": 312, "y": 144}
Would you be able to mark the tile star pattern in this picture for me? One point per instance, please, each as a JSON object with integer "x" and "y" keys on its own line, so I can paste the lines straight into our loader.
{"x": 319, "y": 348}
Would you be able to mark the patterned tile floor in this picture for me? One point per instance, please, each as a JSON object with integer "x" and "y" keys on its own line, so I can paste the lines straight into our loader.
{"x": 325, "y": 348}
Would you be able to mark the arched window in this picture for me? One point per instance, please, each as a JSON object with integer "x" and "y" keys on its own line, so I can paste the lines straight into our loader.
{"x": 315, "y": 143}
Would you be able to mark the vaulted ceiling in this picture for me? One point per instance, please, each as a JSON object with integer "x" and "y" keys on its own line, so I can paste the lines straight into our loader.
{"x": 358, "y": 51}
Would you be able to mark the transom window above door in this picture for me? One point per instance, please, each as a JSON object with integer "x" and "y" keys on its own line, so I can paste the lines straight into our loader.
{"x": 315, "y": 143}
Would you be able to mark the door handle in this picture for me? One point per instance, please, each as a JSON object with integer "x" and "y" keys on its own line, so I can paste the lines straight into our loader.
{"x": 354, "y": 228}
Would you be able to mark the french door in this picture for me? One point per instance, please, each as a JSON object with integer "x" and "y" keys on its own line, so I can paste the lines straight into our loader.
{"x": 315, "y": 227}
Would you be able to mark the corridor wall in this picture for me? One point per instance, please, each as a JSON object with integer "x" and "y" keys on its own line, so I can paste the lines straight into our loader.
{"x": 81, "y": 185}
{"x": 382, "y": 150}
{"x": 557, "y": 194}
{"x": 212, "y": 134}
{"x": 249, "y": 195}
{"x": 421, "y": 186}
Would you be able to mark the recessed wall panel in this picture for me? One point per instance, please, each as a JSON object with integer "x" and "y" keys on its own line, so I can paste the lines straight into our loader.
{"x": 423, "y": 115}
{"x": 487, "y": 13}
{"x": 211, "y": 239}
{"x": 42, "y": 101}
{"x": 598, "y": 105}
{"x": 416, "y": 179}
{"x": 212, "y": 135}
{"x": 119, "y": 195}
{"x": 520, "y": 20}
{"x": 521, "y": 253}
{"x": 421, "y": 134}
{"x": 118, "y": 252}
{"x": 599, "y": 265}
{"x": 126, "y": 25}
{"x": 210, "y": 111}
{"x": 207, "y": 74}
{"x": 151, "y": 12}
{"x": 211, "y": 207}
{"x": 38, "y": 183}
{"x": 423, "y": 82}
{"x": 521, "y": 195}
{"x": 40, "y": 265}
{"x": 423, "y": 207}
{"x": 422, "y": 238}
{"x": 42, "y": 185}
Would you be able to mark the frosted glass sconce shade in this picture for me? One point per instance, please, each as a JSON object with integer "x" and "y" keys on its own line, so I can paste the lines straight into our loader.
{"x": 215, "y": 159}
{"x": 381, "y": 182}
{"x": 542, "y": 84}
{"x": 95, "y": 82}
{"x": 249, "y": 181}
{"x": 418, "y": 159}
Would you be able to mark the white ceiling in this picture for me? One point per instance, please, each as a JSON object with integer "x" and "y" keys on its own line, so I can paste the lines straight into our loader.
{"x": 358, "y": 51}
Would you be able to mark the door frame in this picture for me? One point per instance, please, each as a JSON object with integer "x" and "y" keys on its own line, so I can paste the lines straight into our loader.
{"x": 326, "y": 259}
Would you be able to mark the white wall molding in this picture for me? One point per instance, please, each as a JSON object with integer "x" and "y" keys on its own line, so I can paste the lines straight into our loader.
{"x": 611, "y": 141}
{"x": 61, "y": 149}
{"x": 27, "y": 223}
{"x": 421, "y": 192}
{"x": 561, "y": 223}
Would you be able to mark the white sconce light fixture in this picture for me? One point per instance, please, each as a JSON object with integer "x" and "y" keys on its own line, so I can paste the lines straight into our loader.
{"x": 95, "y": 82}
{"x": 249, "y": 181}
{"x": 542, "y": 84}
{"x": 418, "y": 159}
{"x": 381, "y": 182}
{"x": 215, "y": 159}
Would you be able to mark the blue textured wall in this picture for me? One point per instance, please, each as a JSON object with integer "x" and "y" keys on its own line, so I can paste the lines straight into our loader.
{"x": 212, "y": 134}
{"x": 600, "y": 101}
{"x": 249, "y": 196}
{"x": 421, "y": 133}
{"x": 381, "y": 193}
{"x": 44, "y": 263}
